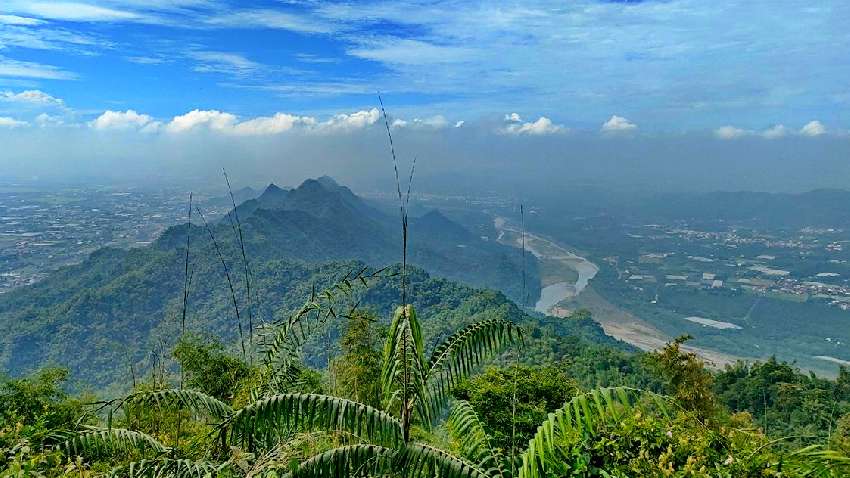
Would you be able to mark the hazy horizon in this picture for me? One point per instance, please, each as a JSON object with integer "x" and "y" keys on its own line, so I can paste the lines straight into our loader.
{"x": 644, "y": 95}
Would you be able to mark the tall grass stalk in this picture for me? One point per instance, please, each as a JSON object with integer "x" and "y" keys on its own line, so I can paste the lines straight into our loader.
{"x": 245, "y": 263}
{"x": 403, "y": 202}
{"x": 522, "y": 240}
{"x": 226, "y": 276}
{"x": 186, "y": 276}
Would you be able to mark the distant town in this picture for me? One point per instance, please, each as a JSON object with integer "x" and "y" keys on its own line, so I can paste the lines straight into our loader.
{"x": 41, "y": 231}
{"x": 807, "y": 264}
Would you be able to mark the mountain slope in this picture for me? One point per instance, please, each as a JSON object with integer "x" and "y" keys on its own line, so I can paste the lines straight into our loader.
{"x": 109, "y": 313}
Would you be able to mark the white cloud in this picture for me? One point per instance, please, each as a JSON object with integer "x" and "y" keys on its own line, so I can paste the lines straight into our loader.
{"x": 16, "y": 20}
{"x": 405, "y": 51}
{"x": 230, "y": 124}
{"x": 6, "y": 122}
{"x": 36, "y": 97}
{"x": 541, "y": 126}
{"x": 775, "y": 132}
{"x": 45, "y": 120}
{"x": 69, "y": 11}
{"x": 813, "y": 128}
{"x": 26, "y": 69}
{"x": 267, "y": 18}
{"x": 122, "y": 120}
{"x": 356, "y": 120}
{"x": 223, "y": 62}
{"x": 618, "y": 124}
{"x": 212, "y": 119}
{"x": 730, "y": 132}
{"x": 146, "y": 60}
{"x": 278, "y": 123}
{"x": 433, "y": 122}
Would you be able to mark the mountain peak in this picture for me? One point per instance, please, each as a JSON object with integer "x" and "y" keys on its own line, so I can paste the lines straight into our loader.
{"x": 273, "y": 188}
{"x": 327, "y": 182}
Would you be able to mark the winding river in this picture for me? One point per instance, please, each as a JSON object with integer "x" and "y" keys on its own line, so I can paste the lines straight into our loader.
{"x": 545, "y": 249}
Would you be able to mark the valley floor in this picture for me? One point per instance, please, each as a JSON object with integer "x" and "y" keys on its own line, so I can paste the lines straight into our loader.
{"x": 573, "y": 291}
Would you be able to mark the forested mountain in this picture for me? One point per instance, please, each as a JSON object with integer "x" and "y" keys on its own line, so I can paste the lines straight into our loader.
{"x": 106, "y": 315}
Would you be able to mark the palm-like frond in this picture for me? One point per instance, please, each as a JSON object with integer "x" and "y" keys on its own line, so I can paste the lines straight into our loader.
{"x": 425, "y": 461}
{"x": 403, "y": 375}
{"x": 283, "y": 341}
{"x": 817, "y": 462}
{"x": 169, "y": 468}
{"x": 268, "y": 419}
{"x": 110, "y": 441}
{"x": 198, "y": 403}
{"x": 455, "y": 358}
{"x": 466, "y": 428}
{"x": 578, "y": 418}
{"x": 347, "y": 461}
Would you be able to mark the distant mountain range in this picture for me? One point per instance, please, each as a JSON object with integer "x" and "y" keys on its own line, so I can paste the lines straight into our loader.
{"x": 118, "y": 305}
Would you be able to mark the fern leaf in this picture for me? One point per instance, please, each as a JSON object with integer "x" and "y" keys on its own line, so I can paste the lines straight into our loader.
{"x": 347, "y": 461}
{"x": 466, "y": 428}
{"x": 578, "y": 419}
{"x": 425, "y": 461}
{"x": 268, "y": 419}
{"x": 198, "y": 403}
{"x": 456, "y": 358}
{"x": 404, "y": 367}
{"x": 283, "y": 341}
{"x": 169, "y": 468}
{"x": 93, "y": 442}
{"x": 817, "y": 462}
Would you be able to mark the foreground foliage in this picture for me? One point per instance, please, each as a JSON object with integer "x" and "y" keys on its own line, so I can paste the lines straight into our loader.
{"x": 413, "y": 407}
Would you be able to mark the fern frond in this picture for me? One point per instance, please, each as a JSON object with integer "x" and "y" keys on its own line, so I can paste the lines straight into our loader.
{"x": 266, "y": 420}
{"x": 404, "y": 368}
{"x": 425, "y": 461}
{"x": 458, "y": 355}
{"x": 93, "y": 442}
{"x": 198, "y": 403}
{"x": 817, "y": 462}
{"x": 578, "y": 419}
{"x": 466, "y": 428}
{"x": 169, "y": 468}
{"x": 347, "y": 461}
{"x": 282, "y": 342}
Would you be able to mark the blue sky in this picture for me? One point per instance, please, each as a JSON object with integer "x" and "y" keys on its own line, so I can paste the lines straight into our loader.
{"x": 660, "y": 66}
{"x": 674, "y": 91}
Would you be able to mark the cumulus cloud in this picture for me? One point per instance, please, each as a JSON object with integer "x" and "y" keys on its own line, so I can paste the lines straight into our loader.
{"x": 278, "y": 123}
{"x": 541, "y": 126}
{"x": 6, "y": 122}
{"x": 228, "y": 123}
{"x": 813, "y": 128}
{"x": 730, "y": 132}
{"x": 212, "y": 119}
{"x": 356, "y": 120}
{"x": 434, "y": 122}
{"x": 618, "y": 124}
{"x": 36, "y": 97}
{"x": 124, "y": 120}
{"x": 45, "y": 120}
{"x": 775, "y": 132}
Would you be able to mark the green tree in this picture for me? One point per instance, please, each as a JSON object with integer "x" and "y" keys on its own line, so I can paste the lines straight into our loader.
{"x": 685, "y": 377}
{"x": 356, "y": 374}
{"x": 208, "y": 368}
{"x": 512, "y": 401}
